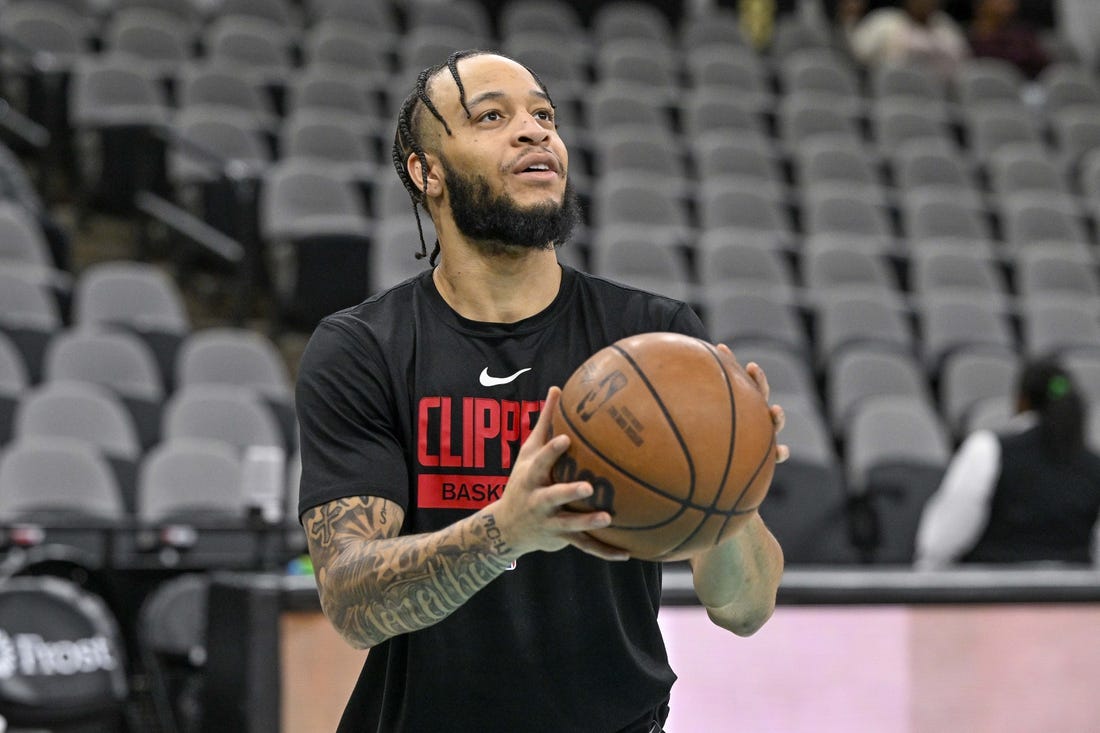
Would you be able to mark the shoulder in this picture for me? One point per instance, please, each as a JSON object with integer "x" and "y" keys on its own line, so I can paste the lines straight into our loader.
{"x": 363, "y": 332}
{"x": 882, "y": 18}
{"x": 634, "y": 309}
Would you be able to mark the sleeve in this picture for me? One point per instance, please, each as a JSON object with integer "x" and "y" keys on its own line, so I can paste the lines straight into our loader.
{"x": 348, "y": 424}
{"x": 957, "y": 513}
{"x": 686, "y": 321}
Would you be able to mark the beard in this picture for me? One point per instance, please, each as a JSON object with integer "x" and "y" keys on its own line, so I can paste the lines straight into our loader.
{"x": 497, "y": 224}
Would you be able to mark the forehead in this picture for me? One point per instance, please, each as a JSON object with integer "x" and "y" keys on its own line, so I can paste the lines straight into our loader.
{"x": 484, "y": 74}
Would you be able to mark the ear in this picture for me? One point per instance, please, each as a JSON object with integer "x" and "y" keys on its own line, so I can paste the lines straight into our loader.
{"x": 415, "y": 166}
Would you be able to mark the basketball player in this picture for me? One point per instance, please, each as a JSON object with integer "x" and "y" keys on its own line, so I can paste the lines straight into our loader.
{"x": 438, "y": 537}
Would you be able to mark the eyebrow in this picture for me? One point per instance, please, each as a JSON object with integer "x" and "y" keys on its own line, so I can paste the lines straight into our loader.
{"x": 484, "y": 96}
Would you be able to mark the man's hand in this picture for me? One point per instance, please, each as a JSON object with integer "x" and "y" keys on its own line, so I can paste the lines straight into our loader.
{"x": 779, "y": 418}
{"x": 531, "y": 512}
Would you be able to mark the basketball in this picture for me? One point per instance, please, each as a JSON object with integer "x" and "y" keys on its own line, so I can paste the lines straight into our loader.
{"x": 675, "y": 438}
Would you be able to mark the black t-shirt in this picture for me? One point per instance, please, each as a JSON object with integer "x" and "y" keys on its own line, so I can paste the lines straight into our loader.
{"x": 400, "y": 397}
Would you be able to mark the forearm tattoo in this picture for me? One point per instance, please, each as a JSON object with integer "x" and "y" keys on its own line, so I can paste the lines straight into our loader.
{"x": 375, "y": 585}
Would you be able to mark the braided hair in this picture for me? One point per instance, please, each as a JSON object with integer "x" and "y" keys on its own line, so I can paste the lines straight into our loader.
{"x": 406, "y": 139}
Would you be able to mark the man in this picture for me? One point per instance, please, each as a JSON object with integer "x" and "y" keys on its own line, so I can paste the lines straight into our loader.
{"x": 438, "y": 537}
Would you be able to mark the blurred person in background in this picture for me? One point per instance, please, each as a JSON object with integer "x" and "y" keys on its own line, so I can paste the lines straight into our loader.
{"x": 918, "y": 31}
{"x": 997, "y": 31}
{"x": 1030, "y": 493}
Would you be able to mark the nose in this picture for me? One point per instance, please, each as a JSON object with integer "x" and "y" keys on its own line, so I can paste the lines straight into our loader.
{"x": 530, "y": 132}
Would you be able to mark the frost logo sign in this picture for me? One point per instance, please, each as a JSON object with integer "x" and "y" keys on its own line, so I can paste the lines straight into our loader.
{"x": 8, "y": 657}
{"x": 32, "y": 656}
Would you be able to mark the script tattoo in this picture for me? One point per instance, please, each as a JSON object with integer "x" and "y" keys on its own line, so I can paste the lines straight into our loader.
{"x": 375, "y": 585}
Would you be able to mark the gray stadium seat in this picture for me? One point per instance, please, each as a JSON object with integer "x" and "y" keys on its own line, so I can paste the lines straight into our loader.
{"x": 845, "y": 269}
{"x": 735, "y": 77}
{"x": 222, "y": 90}
{"x": 742, "y": 211}
{"x": 85, "y": 412}
{"x": 237, "y": 356}
{"x": 939, "y": 271}
{"x": 962, "y": 322}
{"x": 316, "y": 227}
{"x": 630, "y": 19}
{"x": 190, "y": 478}
{"x": 742, "y": 320}
{"x": 967, "y": 379}
{"x": 744, "y": 266}
{"x": 986, "y": 80}
{"x": 643, "y": 262}
{"x": 806, "y": 507}
{"x": 1059, "y": 327}
{"x": 896, "y": 453}
{"x": 136, "y": 296}
{"x": 260, "y": 47}
{"x": 323, "y": 137}
{"x": 1050, "y": 273}
{"x": 59, "y": 478}
{"x": 337, "y": 49}
{"x": 861, "y": 321}
{"x": 856, "y": 376}
{"x": 158, "y": 40}
{"x": 219, "y": 412}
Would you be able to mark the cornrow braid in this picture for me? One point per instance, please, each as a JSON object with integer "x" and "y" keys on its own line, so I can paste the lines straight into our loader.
{"x": 406, "y": 141}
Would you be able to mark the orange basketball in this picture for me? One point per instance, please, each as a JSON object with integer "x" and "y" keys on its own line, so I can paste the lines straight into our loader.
{"x": 675, "y": 438}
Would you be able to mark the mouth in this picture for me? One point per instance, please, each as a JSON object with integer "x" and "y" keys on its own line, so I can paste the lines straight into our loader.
{"x": 538, "y": 167}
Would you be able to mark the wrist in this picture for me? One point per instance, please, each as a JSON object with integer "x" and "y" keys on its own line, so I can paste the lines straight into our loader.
{"x": 500, "y": 547}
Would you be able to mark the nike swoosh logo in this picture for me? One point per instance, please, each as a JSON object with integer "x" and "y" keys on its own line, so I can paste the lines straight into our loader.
{"x": 488, "y": 381}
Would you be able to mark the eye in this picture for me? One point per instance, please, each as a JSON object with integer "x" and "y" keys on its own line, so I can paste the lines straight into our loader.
{"x": 490, "y": 116}
{"x": 546, "y": 115}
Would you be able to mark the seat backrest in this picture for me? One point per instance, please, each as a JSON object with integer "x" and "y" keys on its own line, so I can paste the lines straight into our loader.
{"x": 743, "y": 265}
{"x": 129, "y": 292}
{"x": 932, "y": 215}
{"x": 894, "y": 430}
{"x": 861, "y": 319}
{"x": 967, "y": 379}
{"x": 842, "y": 267}
{"x": 311, "y": 135}
{"x": 57, "y": 476}
{"x": 962, "y": 322}
{"x": 1037, "y": 217}
{"x": 24, "y": 302}
{"x": 630, "y": 19}
{"x": 745, "y": 318}
{"x": 233, "y": 356}
{"x": 81, "y": 411}
{"x": 220, "y": 412}
{"x": 190, "y": 477}
{"x": 839, "y": 213}
{"x": 299, "y": 188}
{"x": 115, "y": 359}
{"x": 859, "y": 375}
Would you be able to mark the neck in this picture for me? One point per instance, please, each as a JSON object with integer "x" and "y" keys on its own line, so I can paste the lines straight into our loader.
{"x": 495, "y": 288}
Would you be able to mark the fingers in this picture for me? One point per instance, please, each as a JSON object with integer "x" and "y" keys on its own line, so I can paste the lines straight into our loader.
{"x": 544, "y": 425}
{"x": 753, "y": 370}
{"x": 589, "y": 544}
{"x": 542, "y": 433}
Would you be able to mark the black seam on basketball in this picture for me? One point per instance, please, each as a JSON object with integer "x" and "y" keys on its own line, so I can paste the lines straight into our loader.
{"x": 599, "y": 454}
{"x": 668, "y": 418}
{"x": 713, "y": 510}
{"x": 759, "y": 467}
